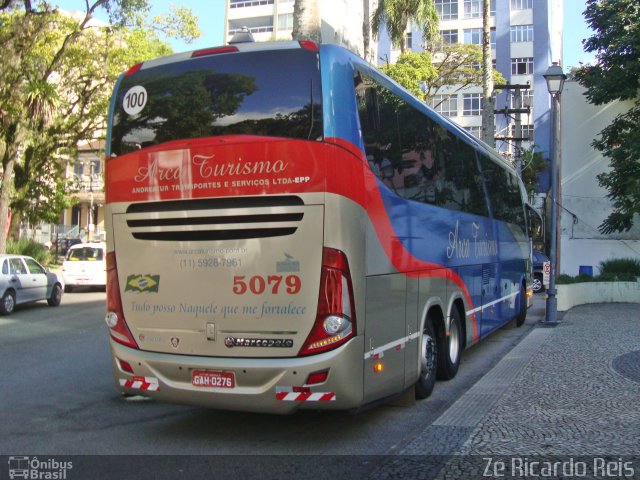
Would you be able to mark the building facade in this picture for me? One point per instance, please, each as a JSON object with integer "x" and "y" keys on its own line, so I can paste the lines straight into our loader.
{"x": 85, "y": 219}
{"x": 583, "y": 202}
{"x": 341, "y": 21}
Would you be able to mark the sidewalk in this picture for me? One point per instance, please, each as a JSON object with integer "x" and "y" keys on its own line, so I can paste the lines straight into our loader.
{"x": 568, "y": 391}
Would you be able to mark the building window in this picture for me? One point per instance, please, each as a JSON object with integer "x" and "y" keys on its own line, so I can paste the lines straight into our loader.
{"x": 249, "y": 3}
{"x": 522, "y": 66}
{"x": 285, "y": 21}
{"x": 521, "y": 4}
{"x": 473, "y": 36}
{"x": 472, "y": 8}
{"x": 527, "y": 133}
{"x": 449, "y": 36}
{"x": 446, "y": 105}
{"x": 475, "y": 131}
{"x": 255, "y": 25}
{"x": 78, "y": 169}
{"x": 521, "y": 33}
{"x": 471, "y": 104}
{"x": 527, "y": 99}
{"x": 408, "y": 41}
{"x": 447, "y": 9}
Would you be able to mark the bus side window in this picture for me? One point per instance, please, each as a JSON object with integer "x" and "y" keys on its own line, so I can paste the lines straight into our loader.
{"x": 378, "y": 126}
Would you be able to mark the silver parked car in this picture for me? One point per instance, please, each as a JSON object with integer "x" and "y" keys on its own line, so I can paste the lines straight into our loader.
{"x": 23, "y": 280}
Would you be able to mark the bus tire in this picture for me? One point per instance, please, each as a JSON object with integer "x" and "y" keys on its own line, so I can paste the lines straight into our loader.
{"x": 428, "y": 361}
{"x": 522, "y": 313}
{"x": 450, "y": 348}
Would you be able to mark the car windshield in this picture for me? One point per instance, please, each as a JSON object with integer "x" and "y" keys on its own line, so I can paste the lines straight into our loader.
{"x": 539, "y": 257}
{"x": 85, "y": 254}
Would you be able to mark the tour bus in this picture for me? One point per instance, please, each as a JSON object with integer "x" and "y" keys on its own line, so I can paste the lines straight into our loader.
{"x": 288, "y": 228}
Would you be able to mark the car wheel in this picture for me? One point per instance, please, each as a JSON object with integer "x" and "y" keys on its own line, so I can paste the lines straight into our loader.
{"x": 428, "y": 361}
{"x": 537, "y": 284}
{"x": 7, "y": 303}
{"x": 449, "y": 348}
{"x": 56, "y": 296}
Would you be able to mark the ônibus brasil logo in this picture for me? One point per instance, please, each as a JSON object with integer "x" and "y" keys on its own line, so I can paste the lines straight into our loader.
{"x": 34, "y": 468}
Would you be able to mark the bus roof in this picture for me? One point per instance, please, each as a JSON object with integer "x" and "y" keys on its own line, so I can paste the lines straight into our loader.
{"x": 224, "y": 49}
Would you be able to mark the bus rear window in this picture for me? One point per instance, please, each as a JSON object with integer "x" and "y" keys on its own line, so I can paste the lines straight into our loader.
{"x": 267, "y": 93}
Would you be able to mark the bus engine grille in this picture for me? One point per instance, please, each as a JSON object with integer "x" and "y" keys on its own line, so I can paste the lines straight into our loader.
{"x": 215, "y": 219}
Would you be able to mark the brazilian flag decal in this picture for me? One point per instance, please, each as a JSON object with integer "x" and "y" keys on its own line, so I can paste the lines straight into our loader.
{"x": 142, "y": 283}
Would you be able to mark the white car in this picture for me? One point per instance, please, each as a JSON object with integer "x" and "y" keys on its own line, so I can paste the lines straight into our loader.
{"x": 23, "y": 280}
{"x": 85, "y": 265}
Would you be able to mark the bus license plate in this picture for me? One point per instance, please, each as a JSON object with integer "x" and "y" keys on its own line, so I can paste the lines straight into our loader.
{"x": 204, "y": 378}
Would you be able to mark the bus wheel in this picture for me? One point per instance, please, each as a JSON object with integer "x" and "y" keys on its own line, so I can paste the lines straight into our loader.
{"x": 522, "y": 314}
{"x": 428, "y": 361}
{"x": 449, "y": 348}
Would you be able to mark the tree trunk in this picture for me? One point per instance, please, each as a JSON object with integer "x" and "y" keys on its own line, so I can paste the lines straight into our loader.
{"x": 306, "y": 21}
{"x": 488, "y": 115}
{"x": 14, "y": 139}
{"x": 366, "y": 30}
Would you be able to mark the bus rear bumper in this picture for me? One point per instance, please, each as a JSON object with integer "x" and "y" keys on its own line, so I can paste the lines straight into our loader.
{"x": 267, "y": 385}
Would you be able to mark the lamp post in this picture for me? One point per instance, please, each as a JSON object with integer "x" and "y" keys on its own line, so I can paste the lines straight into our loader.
{"x": 555, "y": 81}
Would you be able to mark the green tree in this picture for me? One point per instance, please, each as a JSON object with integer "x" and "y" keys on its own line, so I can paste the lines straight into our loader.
{"x": 457, "y": 65}
{"x": 396, "y": 14}
{"x": 616, "y": 76}
{"x": 533, "y": 163}
{"x": 56, "y": 75}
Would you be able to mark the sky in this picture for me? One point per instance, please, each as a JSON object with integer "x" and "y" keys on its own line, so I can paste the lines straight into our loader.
{"x": 575, "y": 30}
{"x": 211, "y": 22}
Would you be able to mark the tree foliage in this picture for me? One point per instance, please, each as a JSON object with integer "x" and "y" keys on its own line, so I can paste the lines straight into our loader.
{"x": 616, "y": 76}
{"x": 533, "y": 163}
{"x": 425, "y": 73}
{"x": 57, "y": 72}
{"x": 396, "y": 14}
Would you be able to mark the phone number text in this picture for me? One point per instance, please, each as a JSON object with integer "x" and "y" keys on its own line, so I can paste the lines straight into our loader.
{"x": 211, "y": 262}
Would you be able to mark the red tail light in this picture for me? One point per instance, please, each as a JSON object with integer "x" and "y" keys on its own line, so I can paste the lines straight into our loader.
{"x": 133, "y": 69}
{"x": 115, "y": 317}
{"x": 336, "y": 318}
{"x": 213, "y": 51}
{"x": 309, "y": 45}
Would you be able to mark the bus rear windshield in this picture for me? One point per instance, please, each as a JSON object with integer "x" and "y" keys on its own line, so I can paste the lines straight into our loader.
{"x": 269, "y": 93}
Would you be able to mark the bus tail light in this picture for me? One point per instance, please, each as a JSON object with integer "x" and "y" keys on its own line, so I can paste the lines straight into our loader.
{"x": 133, "y": 69}
{"x": 115, "y": 317}
{"x": 336, "y": 319}
{"x": 309, "y": 45}
{"x": 213, "y": 51}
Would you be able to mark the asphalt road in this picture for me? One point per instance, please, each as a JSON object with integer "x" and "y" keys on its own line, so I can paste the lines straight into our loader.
{"x": 58, "y": 398}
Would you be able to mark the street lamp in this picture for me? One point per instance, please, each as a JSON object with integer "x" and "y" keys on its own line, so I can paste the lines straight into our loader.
{"x": 555, "y": 81}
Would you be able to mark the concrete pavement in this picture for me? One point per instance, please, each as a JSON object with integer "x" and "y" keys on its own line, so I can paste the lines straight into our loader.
{"x": 569, "y": 393}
